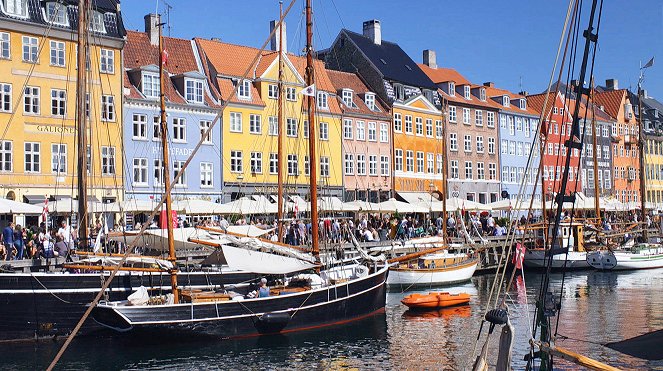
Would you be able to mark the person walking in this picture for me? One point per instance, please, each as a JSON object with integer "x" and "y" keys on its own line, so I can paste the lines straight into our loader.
{"x": 8, "y": 240}
{"x": 19, "y": 242}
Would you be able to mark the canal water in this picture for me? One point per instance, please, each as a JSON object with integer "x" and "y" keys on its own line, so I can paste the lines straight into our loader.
{"x": 596, "y": 308}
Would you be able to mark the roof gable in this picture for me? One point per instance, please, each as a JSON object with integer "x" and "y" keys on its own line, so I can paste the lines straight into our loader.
{"x": 271, "y": 70}
{"x": 420, "y": 102}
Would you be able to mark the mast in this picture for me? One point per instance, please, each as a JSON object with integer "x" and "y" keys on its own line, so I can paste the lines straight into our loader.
{"x": 166, "y": 168}
{"x": 445, "y": 183}
{"x": 597, "y": 207}
{"x": 81, "y": 93}
{"x": 641, "y": 148}
{"x": 279, "y": 154}
{"x": 310, "y": 103}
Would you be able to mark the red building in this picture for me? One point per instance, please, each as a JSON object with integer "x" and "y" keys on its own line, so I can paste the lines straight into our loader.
{"x": 556, "y": 130}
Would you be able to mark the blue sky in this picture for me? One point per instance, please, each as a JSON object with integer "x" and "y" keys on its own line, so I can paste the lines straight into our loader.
{"x": 512, "y": 43}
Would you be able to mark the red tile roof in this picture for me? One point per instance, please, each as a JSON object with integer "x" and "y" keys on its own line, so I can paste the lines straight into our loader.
{"x": 492, "y": 92}
{"x": 226, "y": 88}
{"x": 611, "y": 100}
{"x": 138, "y": 52}
{"x": 536, "y": 102}
{"x": 440, "y": 75}
{"x": 346, "y": 80}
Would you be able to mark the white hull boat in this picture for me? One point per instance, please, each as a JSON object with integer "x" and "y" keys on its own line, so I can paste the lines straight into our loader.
{"x": 536, "y": 258}
{"x": 643, "y": 256}
{"x": 448, "y": 269}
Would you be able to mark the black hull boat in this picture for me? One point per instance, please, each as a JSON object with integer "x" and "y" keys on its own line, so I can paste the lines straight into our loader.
{"x": 47, "y": 304}
{"x": 324, "y": 306}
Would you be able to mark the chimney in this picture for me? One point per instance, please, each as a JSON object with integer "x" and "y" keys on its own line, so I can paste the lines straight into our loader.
{"x": 489, "y": 84}
{"x": 216, "y": 39}
{"x": 152, "y": 28}
{"x": 274, "y": 41}
{"x": 524, "y": 93}
{"x": 373, "y": 31}
{"x": 430, "y": 58}
{"x": 612, "y": 84}
{"x": 644, "y": 93}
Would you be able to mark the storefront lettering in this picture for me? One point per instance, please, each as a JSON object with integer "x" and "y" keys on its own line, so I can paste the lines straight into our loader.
{"x": 184, "y": 152}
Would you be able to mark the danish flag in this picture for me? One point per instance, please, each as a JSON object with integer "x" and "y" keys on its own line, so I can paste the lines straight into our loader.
{"x": 519, "y": 256}
{"x": 44, "y": 212}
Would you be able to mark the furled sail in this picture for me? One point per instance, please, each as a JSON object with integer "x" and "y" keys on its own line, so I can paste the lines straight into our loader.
{"x": 262, "y": 262}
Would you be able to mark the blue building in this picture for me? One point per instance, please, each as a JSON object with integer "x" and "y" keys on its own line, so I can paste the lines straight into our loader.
{"x": 190, "y": 110}
{"x": 518, "y": 125}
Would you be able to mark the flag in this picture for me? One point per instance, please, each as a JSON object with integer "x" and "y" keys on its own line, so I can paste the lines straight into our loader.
{"x": 44, "y": 212}
{"x": 519, "y": 256}
{"x": 649, "y": 64}
{"x": 309, "y": 90}
{"x": 164, "y": 57}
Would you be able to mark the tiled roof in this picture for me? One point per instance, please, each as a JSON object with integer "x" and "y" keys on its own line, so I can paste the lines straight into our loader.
{"x": 492, "y": 92}
{"x": 228, "y": 59}
{"x": 139, "y": 52}
{"x": 347, "y": 80}
{"x": 536, "y": 102}
{"x": 226, "y": 88}
{"x": 391, "y": 61}
{"x": 611, "y": 100}
{"x": 441, "y": 74}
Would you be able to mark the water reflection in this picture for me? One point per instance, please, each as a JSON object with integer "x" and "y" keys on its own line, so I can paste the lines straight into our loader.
{"x": 596, "y": 308}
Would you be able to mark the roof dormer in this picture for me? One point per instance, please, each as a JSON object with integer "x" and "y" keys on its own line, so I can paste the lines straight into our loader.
{"x": 348, "y": 95}
{"x": 146, "y": 80}
{"x": 451, "y": 88}
{"x": 467, "y": 92}
{"x": 56, "y": 13}
{"x": 506, "y": 101}
{"x": 97, "y": 22}
{"x": 479, "y": 92}
{"x": 369, "y": 100}
{"x": 16, "y": 8}
{"x": 522, "y": 103}
{"x": 191, "y": 85}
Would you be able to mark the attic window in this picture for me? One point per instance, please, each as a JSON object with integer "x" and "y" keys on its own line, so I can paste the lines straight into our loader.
{"x": 150, "y": 85}
{"x": 452, "y": 89}
{"x": 523, "y": 103}
{"x": 322, "y": 100}
{"x": 482, "y": 94}
{"x": 194, "y": 91}
{"x": 399, "y": 91}
{"x": 369, "y": 99}
{"x": 408, "y": 67}
{"x": 383, "y": 61}
{"x": 244, "y": 90}
{"x": 347, "y": 97}
{"x": 466, "y": 91}
{"x": 17, "y": 8}
{"x": 97, "y": 22}
{"x": 56, "y": 13}
{"x": 506, "y": 102}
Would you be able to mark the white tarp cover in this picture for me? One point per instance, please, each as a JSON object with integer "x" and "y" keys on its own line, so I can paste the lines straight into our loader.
{"x": 13, "y": 207}
{"x": 158, "y": 238}
{"x": 248, "y": 230}
{"x": 261, "y": 262}
{"x": 392, "y": 205}
{"x": 115, "y": 260}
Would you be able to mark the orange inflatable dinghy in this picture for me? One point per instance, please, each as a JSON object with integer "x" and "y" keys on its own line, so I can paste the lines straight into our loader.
{"x": 435, "y": 300}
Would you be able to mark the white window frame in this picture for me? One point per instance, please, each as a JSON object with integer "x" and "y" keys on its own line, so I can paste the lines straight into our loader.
{"x": 58, "y": 53}
{"x": 384, "y": 132}
{"x": 30, "y": 49}
{"x": 139, "y": 172}
{"x": 235, "y": 122}
{"x": 255, "y": 162}
{"x": 291, "y": 129}
{"x": 31, "y": 100}
{"x": 291, "y": 94}
{"x": 139, "y": 126}
{"x": 179, "y": 130}
{"x": 150, "y": 85}
{"x": 97, "y": 22}
{"x": 195, "y": 91}
{"x": 452, "y": 114}
{"x": 106, "y": 61}
{"x": 255, "y": 123}
{"x": 398, "y": 122}
{"x": 361, "y": 164}
{"x": 324, "y": 166}
{"x": 372, "y": 132}
{"x": 203, "y": 125}
{"x": 6, "y": 100}
{"x": 108, "y": 108}
{"x": 177, "y": 167}
{"x": 361, "y": 130}
{"x": 5, "y": 45}
{"x": 372, "y": 165}
{"x": 384, "y": 165}
{"x": 107, "y": 161}
{"x": 32, "y": 157}
{"x": 349, "y": 164}
{"x": 273, "y": 163}
{"x": 398, "y": 159}
{"x": 236, "y": 161}
{"x": 273, "y": 91}
{"x": 58, "y": 102}
{"x": 324, "y": 131}
{"x": 244, "y": 89}
{"x": 273, "y": 126}
{"x": 322, "y": 100}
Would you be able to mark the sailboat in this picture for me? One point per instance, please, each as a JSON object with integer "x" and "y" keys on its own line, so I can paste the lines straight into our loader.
{"x": 301, "y": 301}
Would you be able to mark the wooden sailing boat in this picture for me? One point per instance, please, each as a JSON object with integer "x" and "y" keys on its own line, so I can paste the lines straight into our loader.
{"x": 336, "y": 295}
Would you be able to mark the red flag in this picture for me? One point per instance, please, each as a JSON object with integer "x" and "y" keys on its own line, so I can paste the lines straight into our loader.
{"x": 44, "y": 212}
{"x": 519, "y": 256}
{"x": 164, "y": 57}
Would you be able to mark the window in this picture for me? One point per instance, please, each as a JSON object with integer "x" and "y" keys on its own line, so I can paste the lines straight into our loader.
{"x": 384, "y": 165}
{"x": 372, "y": 132}
{"x": 57, "y": 53}
{"x": 482, "y": 94}
{"x": 290, "y": 94}
{"x": 97, "y": 22}
{"x": 30, "y": 49}
{"x": 177, "y": 168}
{"x": 273, "y": 91}
{"x": 291, "y": 127}
{"x": 468, "y": 170}
{"x": 30, "y": 100}
{"x": 305, "y": 128}
{"x": 255, "y": 124}
{"x": 519, "y": 124}
{"x": 324, "y": 166}
{"x": 361, "y": 164}
{"x": 505, "y": 173}
{"x": 409, "y": 161}
{"x": 420, "y": 162}
{"x": 158, "y": 173}
{"x": 512, "y": 125}
{"x": 32, "y": 157}
{"x": 194, "y": 91}
{"x": 512, "y": 174}
{"x": 384, "y": 132}
{"x": 430, "y": 163}
{"x": 398, "y": 154}
{"x": 408, "y": 124}
{"x": 307, "y": 167}
{"x": 347, "y": 97}
{"x": 466, "y": 92}
{"x": 467, "y": 143}
{"x": 139, "y": 127}
{"x": 107, "y": 160}
{"x": 107, "y": 63}
{"x": 466, "y": 116}
{"x": 502, "y": 121}
{"x": 324, "y": 130}
{"x": 373, "y": 165}
{"x": 481, "y": 172}
{"x": 519, "y": 148}
{"x": 479, "y": 145}
{"x": 490, "y": 119}
{"x": 452, "y": 88}
{"x": 16, "y": 7}
{"x": 369, "y": 100}
{"x": 150, "y": 85}
{"x": 419, "y": 123}
{"x": 256, "y": 163}
{"x": 179, "y": 130}
{"x": 506, "y": 102}
{"x": 204, "y": 126}
{"x": 235, "y": 122}
{"x": 107, "y": 108}
{"x": 58, "y": 102}
{"x": 452, "y": 114}
{"x": 236, "y": 162}
{"x": 492, "y": 171}
{"x": 440, "y": 164}
{"x": 5, "y": 97}
{"x": 5, "y": 45}
{"x": 322, "y": 100}
{"x": 454, "y": 169}
{"x": 438, "y": 129}
{"x": 429, "y": 128}
{"x": 607, "y": 179}
{"x": 347, "y": 129}
{"x": 244, "y": 90}
{"x": 453, "y": 142}
{"x": 491, "y": 145}
{"x": 504, "y": 147}
{"x": 156, "y": 128}
{"x": 398, "y": 123}
{"x": 206, "y": 174}
{"x": 478, "y": 118}
{"x": 526, "y": 127}
{"x": 361, "y": 132}
{"x": 273, "y": 163}
{"x": 140, "y": 171}
{"x": 349, "y": 164}
{"x": 273, "y": 125}
{"x": 512, "y": 148}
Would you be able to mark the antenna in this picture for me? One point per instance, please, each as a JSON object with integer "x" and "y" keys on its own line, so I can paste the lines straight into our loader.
{"x": 168, "y": 9}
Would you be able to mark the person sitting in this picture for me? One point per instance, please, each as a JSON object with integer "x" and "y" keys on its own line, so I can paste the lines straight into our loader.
{"x": 263, "y": 291}
{"x": 368, "y": 236}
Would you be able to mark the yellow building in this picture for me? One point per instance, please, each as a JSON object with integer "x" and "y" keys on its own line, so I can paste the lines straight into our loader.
{"x": 250, "y": 126}
{"x": 38, "y": 82}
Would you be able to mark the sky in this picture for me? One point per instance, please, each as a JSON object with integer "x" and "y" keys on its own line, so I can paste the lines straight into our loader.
{"x": 512, "y": 43}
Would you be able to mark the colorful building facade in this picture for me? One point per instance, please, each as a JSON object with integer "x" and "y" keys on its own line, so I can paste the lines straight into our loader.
{"x": 649, "y": 113}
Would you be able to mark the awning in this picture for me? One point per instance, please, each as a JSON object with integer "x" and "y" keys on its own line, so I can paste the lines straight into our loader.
{"x": 13, "y": 207}
{"x": 34, "y": 199}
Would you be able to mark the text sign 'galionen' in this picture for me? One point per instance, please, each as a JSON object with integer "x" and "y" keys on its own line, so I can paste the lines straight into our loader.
{"x": 49, "y": 129}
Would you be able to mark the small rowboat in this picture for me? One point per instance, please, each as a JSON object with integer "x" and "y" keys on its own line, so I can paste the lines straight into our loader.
{"x": 435, "y": 300}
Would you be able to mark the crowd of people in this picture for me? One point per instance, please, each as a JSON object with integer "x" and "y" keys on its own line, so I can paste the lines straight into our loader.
{"x": 32, "y": 242}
